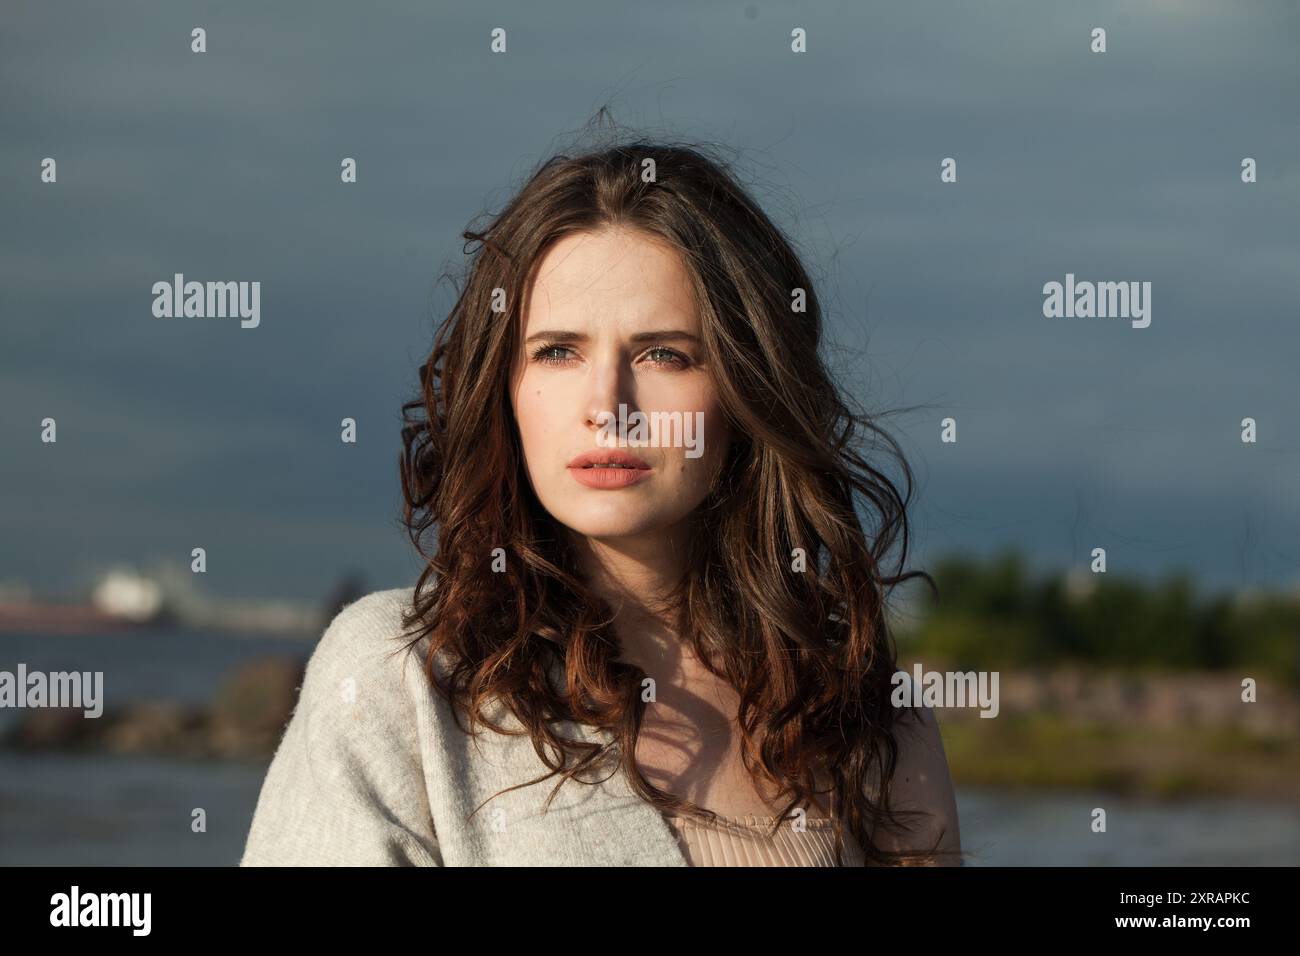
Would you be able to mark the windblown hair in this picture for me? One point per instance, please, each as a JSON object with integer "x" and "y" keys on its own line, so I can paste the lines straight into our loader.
{"x": 808, "y": 651}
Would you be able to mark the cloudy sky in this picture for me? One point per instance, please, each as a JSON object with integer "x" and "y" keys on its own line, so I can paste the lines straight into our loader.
{"x": 1072, "y": 433}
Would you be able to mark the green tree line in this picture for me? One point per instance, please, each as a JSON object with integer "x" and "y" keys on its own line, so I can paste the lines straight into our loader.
{"x": 991, "y": 613}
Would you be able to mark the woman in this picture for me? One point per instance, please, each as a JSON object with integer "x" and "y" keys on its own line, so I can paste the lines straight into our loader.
{"x": 651, "y": 583}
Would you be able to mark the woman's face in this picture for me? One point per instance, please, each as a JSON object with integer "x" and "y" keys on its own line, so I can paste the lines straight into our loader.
{"x": 610, "y": 320}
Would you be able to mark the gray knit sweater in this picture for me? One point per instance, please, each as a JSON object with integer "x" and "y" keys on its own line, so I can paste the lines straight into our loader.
{"x": 373, "y": 771}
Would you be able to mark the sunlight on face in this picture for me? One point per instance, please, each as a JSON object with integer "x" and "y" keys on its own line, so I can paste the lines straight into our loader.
{"x": 610, "y": 320}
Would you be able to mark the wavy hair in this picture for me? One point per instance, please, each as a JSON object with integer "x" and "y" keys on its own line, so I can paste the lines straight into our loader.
{"x": 807, "y": 651}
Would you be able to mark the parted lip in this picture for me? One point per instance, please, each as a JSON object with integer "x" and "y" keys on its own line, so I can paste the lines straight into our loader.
{"x": 608, "y": 456}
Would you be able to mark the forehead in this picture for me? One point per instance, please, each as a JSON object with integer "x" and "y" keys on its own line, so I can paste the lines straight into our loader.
{"x": 622, "y": 276}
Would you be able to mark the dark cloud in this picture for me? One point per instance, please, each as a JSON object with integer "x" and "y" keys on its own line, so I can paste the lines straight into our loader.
{"x": 225, "y": 166}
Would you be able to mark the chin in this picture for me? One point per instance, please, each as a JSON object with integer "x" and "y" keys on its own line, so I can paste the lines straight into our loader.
{"x": 612, "y": 521}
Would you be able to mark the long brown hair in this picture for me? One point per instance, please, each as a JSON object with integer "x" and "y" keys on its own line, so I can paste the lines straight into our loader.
{"x": 808, "y": 651}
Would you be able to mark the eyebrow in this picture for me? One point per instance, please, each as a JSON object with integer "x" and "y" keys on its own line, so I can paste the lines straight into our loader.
{"x": 563, "y": 335}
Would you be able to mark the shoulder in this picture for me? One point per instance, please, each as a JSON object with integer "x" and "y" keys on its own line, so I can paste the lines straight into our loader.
{"x": 367, "y": 620}
{"x": 362, "y": 633}
{"x": 922, "y": 782}
{"x": 346, "y": 784}
{"x": 366, "y": 665}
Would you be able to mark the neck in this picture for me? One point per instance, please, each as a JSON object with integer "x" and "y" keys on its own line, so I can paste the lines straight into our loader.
{"x": 636, "y": 576}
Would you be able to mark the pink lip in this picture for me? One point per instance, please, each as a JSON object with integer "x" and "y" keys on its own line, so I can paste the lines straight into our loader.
{"x": 601, "y": 456}
{"x": 634, "y": 470}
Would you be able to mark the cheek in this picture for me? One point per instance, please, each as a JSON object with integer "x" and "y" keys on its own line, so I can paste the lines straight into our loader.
{"x": 697, "y": 473}
{"x": 535, "y": 422}
{"x": 717, "y": 434}
{"x": 529, "y": 422}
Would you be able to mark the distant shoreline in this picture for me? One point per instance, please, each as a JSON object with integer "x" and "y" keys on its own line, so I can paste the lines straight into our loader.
{"x": 1050, "y": 752}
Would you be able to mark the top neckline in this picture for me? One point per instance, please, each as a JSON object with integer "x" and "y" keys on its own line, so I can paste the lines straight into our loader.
{"x": 748, "y": 821}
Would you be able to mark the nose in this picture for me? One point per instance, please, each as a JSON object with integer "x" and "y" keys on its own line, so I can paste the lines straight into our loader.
{"x": 609, "y": 385}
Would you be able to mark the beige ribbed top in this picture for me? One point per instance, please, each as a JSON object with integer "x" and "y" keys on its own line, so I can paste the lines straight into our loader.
{"x": 744, "y": 841}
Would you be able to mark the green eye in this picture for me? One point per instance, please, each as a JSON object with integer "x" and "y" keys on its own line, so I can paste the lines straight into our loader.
{"x": 671, "y": 357}
{"x": 546, "y": 355}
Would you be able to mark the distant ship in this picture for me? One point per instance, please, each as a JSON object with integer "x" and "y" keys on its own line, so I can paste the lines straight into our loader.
{"x": 61, "y": 619}
{"x": 122, "y": 601}
{"x": 125, "y": 601}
